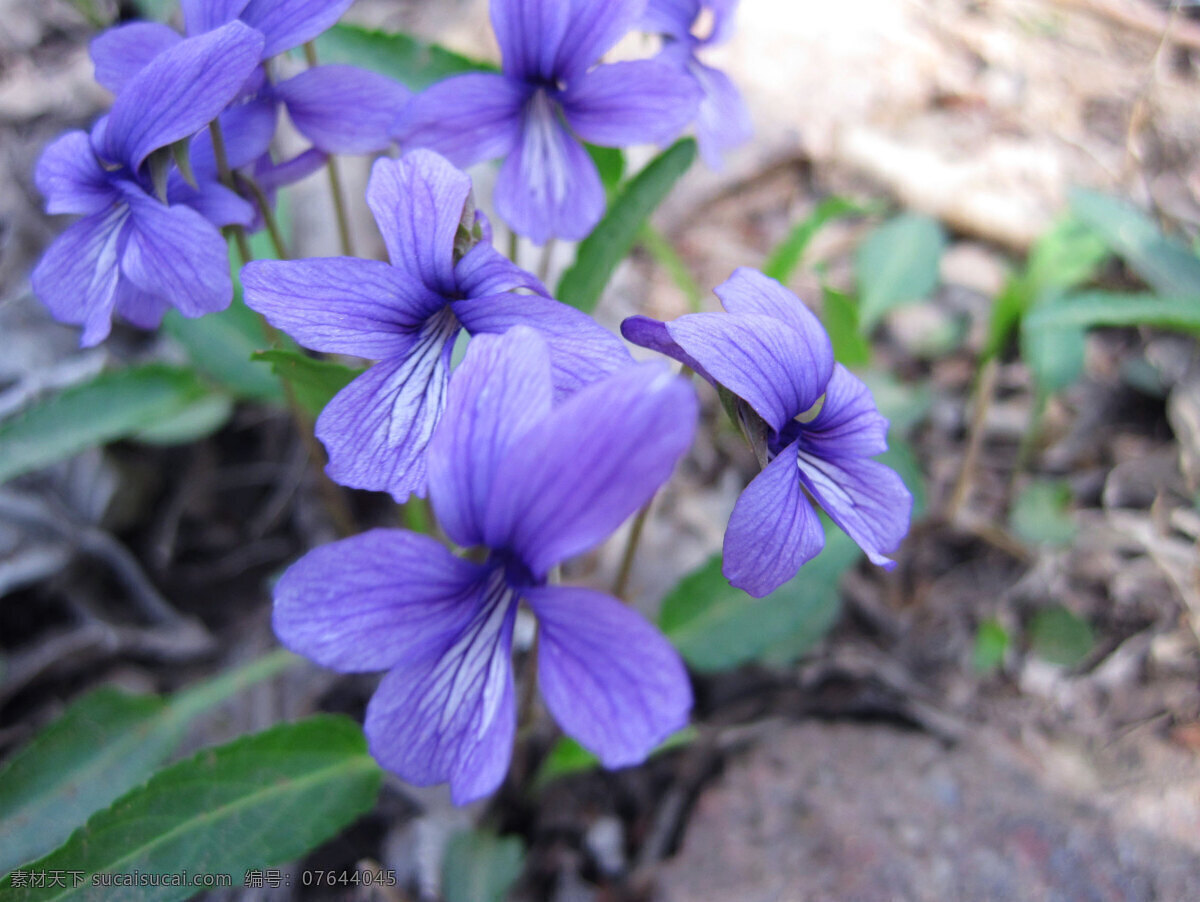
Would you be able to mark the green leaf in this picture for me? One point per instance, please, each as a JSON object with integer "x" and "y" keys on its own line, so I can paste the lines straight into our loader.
{"x": 610, "y": 163}
{"x": 897, "y": 263}
{"x": 220, "y": 345}
{"x": 103, "y": 745}
{"x": 1041, "y": 513}
{"x": 158, "y": 10}
{"x": 198, "y": 420}
{"x": 668, "y": 258}
{"x": 1060, "y": 637}
{"x": 991, "y": 644}
{"x": 314, "y": 381}
{"x": 397, "y": 55}
{"x": 480, "y": 866}
{"x": 839, "y": 313}
{"x": 1167, "y": 266}
{"x": 785, "y": 258}
{"x": 903, "y": 403}
{"x": 1068, "y": 255}
{"x": 1054, "y": 353}
{"x": 568, "y": 757}
{"x": 258, "y": 801}
{"x": 597, "y": 256}
{"x": 1097, "y": 308}
{"x": 112, "y": 406}
{"x": 717, "y": 627}
{"x": 901, "y": 457}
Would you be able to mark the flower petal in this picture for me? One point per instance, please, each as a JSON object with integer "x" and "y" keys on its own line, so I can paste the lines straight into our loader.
{"x": 140, "y": 308}
{"x": 670, "y": 17}
{"x": 639, "y": 102}
{"x": 581, "y": 350}
{"x": 343, "y": 109}
{"x": 247, "y": 128}
{"x": 652, "y": 334}
{"x": 219, "y": 205}
{"x": 868, "y": 500}
{"x": 591, "y": 463}
{"x": 773, "y": 530}
{"x": 548, "y": 187}
{"x": 289, "y": 23}
{"x": 370, "y": 601}
{"x": 749, "y": 291}
{"x": 71, "y": 178}
{"x": 341, "y": 305}
{"x": 418, "y": 203}
{"x": 200, "y": 16}
{"x": 177, "y": 254}
{"x": 483, "y": 270}
{"x": 529, "y": 33}
{"x": 122, "y": 52}
{"x": 376, "y": 429}
{"x": 467, "y": 119}
{"x": 449, "y": 715}
{"x": 849, "y": 424}
{"x": 594, "y": 27}
{"x": 499, "y": 391}
{"x": 756, "y": 357}
{"x": 180, "y": 91}
{"x": 77, "y": 276}
{"x": 610, "y": 679}
{"x": 723, "y": 119}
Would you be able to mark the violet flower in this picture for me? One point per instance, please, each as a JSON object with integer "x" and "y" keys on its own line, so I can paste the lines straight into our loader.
{"x": 141, "y": 248}
{"x": 444, "y": 276}
{"x": 817, "y": 422}
{"x": 533, "y": 483}
{"x": 722, "y": 120}
{"x": 545, "y": 101}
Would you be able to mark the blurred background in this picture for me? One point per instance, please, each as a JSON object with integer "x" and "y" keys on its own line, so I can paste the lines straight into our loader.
{"x": 1013, "y": 713}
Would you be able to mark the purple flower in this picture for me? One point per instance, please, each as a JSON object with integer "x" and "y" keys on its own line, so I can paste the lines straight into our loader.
{"x": 818, "y": 424}
{"x": 544, "y": 102}
{"x": 722, "y": 120}
{"x": 407, "y": 315}
{"x": 141, "y": 248}
{"x": 533, "y": 483}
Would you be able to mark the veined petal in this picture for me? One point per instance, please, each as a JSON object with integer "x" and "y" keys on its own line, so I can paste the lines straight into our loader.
{"x": 177, "y": 254}
{"x": 219, "y": 205}
{"x": 548, "y": 187}
{"x": 652, "y": 334}
{"x": 289, "y": 23}
{"x": 180, "y": 91}
{"x": 122, "y": 52}
{"x": 200, "y": 16}
{"x": 271, "y": 175}
{"x": 71, "y": 178}
{"x": 722, "y": 119}
{"x": 594, "y": 26}
{"x": 749, "y": 291}
{"x": 467, "y": 119}
{"x": 592, "y": 462}
{"x": 868, "y": 500}
{"x": 639, "y": 102}
{"x": 581, "y": 350}
{"x": 77, "y": 276}
{"x": 343, "y": 109}
{"x": 758, "y": 358}
{"x": 140, "y": 308}
{"x": 418, "y": 204}
{"x": 848, "y": 424}
{"x": 610, "y": 679}
{"x": 529, "y": 33}
{"x": 377, "y": 428}
{"x": 341, "y": 305}
{"x": 773, "y": 530}
{"x": 247, "y": 128}
{"x": 499, "y": 391}
{"x": 374, "y": 600}
{"x": 483, "y": 271}
{"x": 450, "y": 714}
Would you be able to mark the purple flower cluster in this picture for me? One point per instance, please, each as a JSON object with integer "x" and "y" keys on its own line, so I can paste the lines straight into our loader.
{"x": 547, "y": 435}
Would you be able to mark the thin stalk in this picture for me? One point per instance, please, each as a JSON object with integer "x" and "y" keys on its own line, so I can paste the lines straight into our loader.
{"x": 514, "y": 247}
{"x": 621, "y": 584}
{"x": 225, "y": 175}
{"x": 268, "y": 215}
{"x": 335, "y": 179}
{"x": 984, "y": 388}
{"x": 660, "y": 248}
{"x": 544, "y": 265}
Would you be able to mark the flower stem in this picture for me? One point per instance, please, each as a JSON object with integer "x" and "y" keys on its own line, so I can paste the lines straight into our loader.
{"x": 268, "y": 215}
{"x": 621, "y": 584}
{"x": 544, "y": 264}
{"x": 226, "y": 178}
{"x": 335, "y": 178}
{"x": 514, "y": 247}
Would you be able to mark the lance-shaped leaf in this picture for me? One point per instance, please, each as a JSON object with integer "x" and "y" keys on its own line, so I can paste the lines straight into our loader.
{"x": 896, "y": 264}
{"x": 400, "y": 56}
{"x": 481, "y": 867}
{"x": 258, "y": 801}
{"x": 314, "y": 381}
{"x": 610, "y": 242}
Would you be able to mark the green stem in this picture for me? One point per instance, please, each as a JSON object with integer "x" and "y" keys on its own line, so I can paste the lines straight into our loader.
{"x": 660, "y": 248}
{"x": 335, "y": 179}
{"x": 225, "y": 175}
{"x": 621, "y": 584}
{"x": 268, "y": 215}
{"x": 544, "y": 265}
